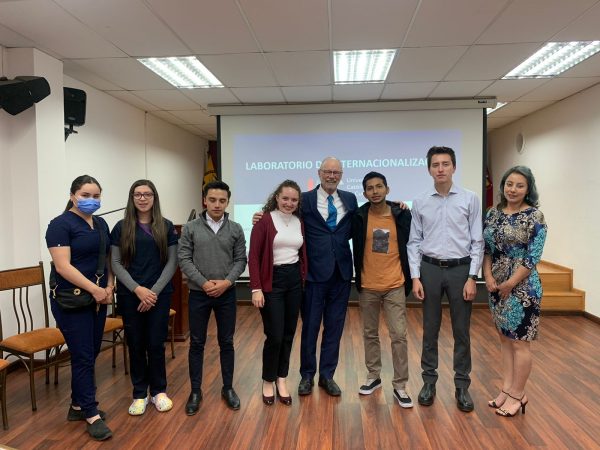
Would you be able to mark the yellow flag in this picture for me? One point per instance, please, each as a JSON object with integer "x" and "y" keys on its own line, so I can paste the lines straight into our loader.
{"x": 210, "y": 174}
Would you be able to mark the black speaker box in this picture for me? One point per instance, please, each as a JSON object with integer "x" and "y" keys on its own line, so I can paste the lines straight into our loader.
{"x": 74, "y": 106}
{"x": 38, "y": 87}
{"x": 14, "y": 97}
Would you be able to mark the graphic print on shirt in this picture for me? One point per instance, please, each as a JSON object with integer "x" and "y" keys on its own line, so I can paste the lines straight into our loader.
{"x": 381, "y": 240}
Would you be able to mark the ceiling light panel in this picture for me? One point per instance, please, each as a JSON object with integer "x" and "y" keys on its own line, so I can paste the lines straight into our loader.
{"x": 362, "y": 66}
{"x": 553, "y": 59}
{"x": 185, "y": 72}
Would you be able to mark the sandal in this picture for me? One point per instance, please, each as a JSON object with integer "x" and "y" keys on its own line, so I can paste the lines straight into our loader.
{"x": 161, "y": 402}
{"x": 138, "y": 406}
{"x": 494, "y": 404}
{"x": 505, "y": 413}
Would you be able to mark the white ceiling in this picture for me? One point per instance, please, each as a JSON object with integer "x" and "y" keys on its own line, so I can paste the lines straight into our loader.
{"x": 280, "y": 51}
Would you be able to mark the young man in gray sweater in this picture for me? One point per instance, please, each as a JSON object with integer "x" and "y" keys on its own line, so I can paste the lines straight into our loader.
{"x": 212, "y": 255}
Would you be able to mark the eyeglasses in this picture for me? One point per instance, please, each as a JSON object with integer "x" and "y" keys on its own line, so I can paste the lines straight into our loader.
{"x": 335, "y": 173}
{"x": 141, "y": 195}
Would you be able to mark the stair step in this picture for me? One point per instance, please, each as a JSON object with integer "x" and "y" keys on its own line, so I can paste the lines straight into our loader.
{"x": 555, "y": 277}
{"x": 573, "y": 300}
{"x": 556, "y": 281}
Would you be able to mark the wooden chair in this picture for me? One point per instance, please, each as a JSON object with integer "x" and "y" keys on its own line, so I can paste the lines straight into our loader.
{"x": 114, "y": 326}
{"x": 172, "y": 313}
{"x": 3, "y": 365}
{"x": 30, "y": 339}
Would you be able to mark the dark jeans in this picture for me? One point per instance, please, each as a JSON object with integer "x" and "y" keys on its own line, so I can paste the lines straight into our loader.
{"x": 280, "y": 316}
{"x": 83, "y": 330}
{"x": 327, "y": 302}
{"x": 200, "y": 307}
{"x": 146, "y": 333}
{"x": 436, "y": 281}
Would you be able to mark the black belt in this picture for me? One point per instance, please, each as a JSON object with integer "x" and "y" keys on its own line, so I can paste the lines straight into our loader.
{"x": 285, "y": 266}
{"x": 447, "y": 262}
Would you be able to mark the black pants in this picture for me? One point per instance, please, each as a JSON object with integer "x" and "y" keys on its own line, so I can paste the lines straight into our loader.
{"x": 436, "y": 281}
{"x": 280, "y": 316}
{"x": 146, "y": 333}
{"x": 200, "y": 307}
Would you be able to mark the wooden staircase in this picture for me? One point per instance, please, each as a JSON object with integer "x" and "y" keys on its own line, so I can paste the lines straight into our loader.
{"x": 559, "y": 294}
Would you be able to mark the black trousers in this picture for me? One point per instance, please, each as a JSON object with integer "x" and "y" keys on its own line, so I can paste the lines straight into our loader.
{"x": 146, "y": 333}
{"x": 436, "y": 281}
{"x": 280, "y": 316}
{"x": 200, "y": 307}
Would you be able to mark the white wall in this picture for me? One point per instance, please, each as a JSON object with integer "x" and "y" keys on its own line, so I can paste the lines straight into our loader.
{"x": 562, "y": 147}
{"x": 118, "y": 145}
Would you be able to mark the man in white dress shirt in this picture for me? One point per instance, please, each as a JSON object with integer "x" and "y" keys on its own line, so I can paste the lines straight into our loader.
{"x": 445, "y": 253}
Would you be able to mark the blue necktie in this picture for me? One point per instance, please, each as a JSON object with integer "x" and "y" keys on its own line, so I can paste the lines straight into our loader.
{"x": 332, "y": 217}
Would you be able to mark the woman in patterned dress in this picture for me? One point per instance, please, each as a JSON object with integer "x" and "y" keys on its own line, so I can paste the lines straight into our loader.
{"x": 514, "y": 233}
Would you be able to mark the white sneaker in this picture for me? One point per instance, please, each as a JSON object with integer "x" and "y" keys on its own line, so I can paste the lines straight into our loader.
{"x": 403, "y": 399}
{"x": 369, "y": 386}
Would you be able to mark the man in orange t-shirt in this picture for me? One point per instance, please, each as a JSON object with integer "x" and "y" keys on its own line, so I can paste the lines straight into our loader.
{"x": 380, "y": 231}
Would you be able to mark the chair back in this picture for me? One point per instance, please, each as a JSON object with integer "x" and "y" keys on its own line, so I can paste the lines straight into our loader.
{"x": 19, "y": 281}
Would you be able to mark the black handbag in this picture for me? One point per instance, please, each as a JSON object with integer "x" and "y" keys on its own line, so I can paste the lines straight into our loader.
{"x": 77, "y": 298}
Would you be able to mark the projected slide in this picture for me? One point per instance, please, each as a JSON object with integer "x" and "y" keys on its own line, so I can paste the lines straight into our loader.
{"x": 257, "y": 152}
{"x": 263, "y": 161}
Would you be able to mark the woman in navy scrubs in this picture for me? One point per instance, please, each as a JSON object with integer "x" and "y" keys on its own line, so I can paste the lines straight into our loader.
{"x": 74, "y": 243}
{"x": 144, "y": 259}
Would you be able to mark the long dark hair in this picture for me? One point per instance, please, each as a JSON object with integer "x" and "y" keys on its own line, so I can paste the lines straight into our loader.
{"x": 532, "y": 198}
{"x": 76, "y": 185}
{"x": 271, "y": 204}
{"x": 158, "y": 226}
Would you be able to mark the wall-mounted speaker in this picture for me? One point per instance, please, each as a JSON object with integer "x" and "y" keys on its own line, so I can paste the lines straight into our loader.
{"x": 74, "y": 106}
{"x": 21, "y": 93}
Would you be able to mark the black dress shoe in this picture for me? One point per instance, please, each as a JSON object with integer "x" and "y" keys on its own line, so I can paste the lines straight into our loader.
{"x": 330, "y": 386}
{"x": 427, "y": 394}
{"x": 464, "y": 400}
{"x": 305, "y": 386}
{"x": 231, "y": 398}
{"x": 193, "y": 403}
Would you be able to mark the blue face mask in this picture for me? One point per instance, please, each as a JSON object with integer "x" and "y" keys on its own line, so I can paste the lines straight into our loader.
{"x": 88, "y": 205}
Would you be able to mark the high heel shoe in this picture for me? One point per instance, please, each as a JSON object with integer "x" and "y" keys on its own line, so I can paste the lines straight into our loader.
{"x": 267, "y": 399}
{"x": 287, "y": 401}
{"x": 493, "y": 404}
{"x": 504, "y": 413}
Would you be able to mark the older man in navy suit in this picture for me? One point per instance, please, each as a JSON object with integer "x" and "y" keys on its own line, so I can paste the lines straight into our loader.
{"x": 327, "y": 215}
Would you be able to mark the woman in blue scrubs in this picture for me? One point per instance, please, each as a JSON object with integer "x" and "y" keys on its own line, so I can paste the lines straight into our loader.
{"x": 73, "y": 239}
{"x": 144, "y": 259}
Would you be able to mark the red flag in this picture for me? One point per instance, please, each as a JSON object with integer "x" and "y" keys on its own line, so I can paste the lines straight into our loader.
{"x": 489, "y": 190}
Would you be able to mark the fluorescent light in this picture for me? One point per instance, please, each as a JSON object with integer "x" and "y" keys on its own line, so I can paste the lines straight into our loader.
{"x": 183, "y": 72}
{"x": 498, "y": 106}
{"x": 554, "y": 58}
{"x": 362, "y": 66}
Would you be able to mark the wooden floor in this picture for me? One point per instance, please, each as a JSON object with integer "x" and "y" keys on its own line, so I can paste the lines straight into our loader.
{"x": 563, "y": 410}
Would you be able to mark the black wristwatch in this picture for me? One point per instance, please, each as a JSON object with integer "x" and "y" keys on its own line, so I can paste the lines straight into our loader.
{"x": 473, "y": 277}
